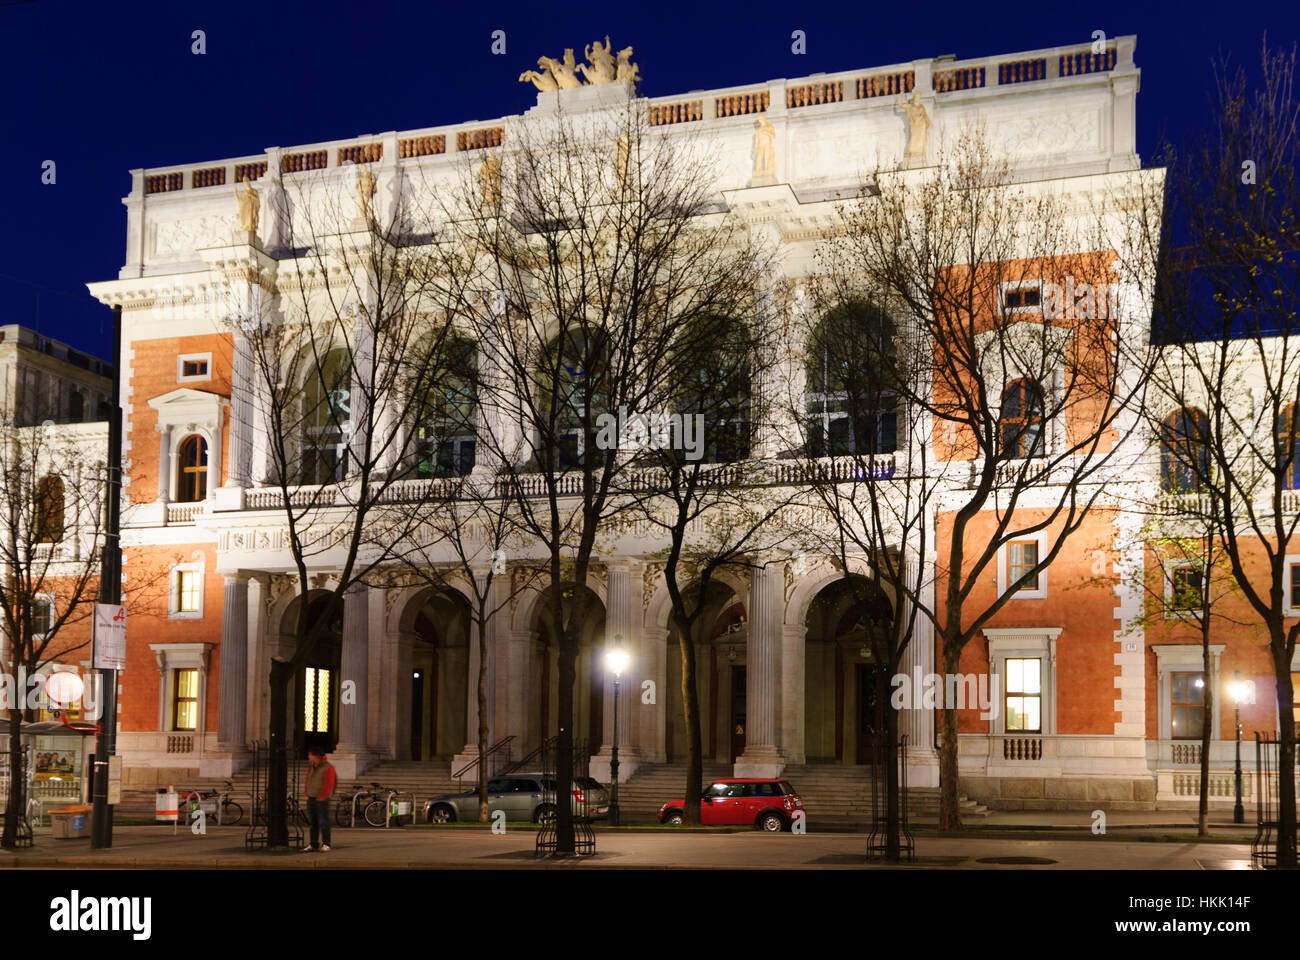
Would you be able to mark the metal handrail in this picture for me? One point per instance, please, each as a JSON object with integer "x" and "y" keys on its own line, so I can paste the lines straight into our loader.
{"x": 460, "y": 774}
{"x": 547, "y": 744}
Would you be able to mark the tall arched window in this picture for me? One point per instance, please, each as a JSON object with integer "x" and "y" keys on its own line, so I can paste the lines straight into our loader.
{"x": 1184, "y": 451}
{"x": 712, "y": 371}
{"x": 328, "y": 409}
{"x": 579, "y": 393}
{"x": 49, "y": 510}
{"x": 1288, "y": 444}
{"x": 447, "y": 436}
{"x": 1021, "y": 421}
{"x": 851, "y": 388}
{"x": 192, "y": 475}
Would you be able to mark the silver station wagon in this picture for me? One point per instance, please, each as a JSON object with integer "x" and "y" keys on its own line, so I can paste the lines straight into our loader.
{"x": 523, "y": 796}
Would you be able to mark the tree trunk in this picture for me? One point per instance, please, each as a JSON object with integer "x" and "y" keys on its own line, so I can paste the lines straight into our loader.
{"x": 17, "y": 781}
{"x": 949, "y": 813}
{"x": 1202, "y": 820}
{"x": 893, "y": 839}
{"x": 483, "y": 721}
{"x": 694, "y": 738}
{"x": 277, "y": 781}
{"x": 564, "y": 839}
{"x": 1286, "y": 825}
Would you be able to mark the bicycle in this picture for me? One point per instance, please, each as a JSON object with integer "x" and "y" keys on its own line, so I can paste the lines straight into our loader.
{"x": 291, "y": 808}
{"x": 230, "y": 812}
{"x": 347, "y": 807}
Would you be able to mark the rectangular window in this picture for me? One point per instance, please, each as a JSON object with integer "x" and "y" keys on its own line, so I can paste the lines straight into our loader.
{"x": 185, "y": 699}
{"x": 1187, "y": 583}
{"x": 194, "y": 368}
{"x": 317, "y": 695}
{"x": 188, "y": 591}
{"x": 42, "y": 615}
{"x": 1295, "y": 701}
{"x": 1024, "y": 696}
{"x": 1295, "y": 586}
{"x": 1022, "y": 556}
{"x": 1187, "y": 705}
{"x": 1023, "y": 298}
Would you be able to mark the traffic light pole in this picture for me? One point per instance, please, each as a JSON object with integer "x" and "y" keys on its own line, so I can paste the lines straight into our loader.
{"x": 110, "y": 591}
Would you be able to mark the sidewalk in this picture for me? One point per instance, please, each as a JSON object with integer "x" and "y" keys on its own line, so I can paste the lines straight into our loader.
{"x": 465, "y": 848}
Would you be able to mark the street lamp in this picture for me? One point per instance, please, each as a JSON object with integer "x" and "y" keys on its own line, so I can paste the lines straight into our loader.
{"x": 1237, "y": 690}
{"x": 616, "y": 662}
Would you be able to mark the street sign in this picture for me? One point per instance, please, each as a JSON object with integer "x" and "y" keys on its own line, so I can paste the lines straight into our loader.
{"x": 114, "y": 781}
{"x": 110, "y": 636}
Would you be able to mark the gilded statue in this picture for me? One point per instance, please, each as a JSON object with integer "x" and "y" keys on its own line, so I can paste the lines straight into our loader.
{"x": 918, "y": 124}
{"x": 489, "y": 178}
{"x": 601, "y": 67}
{"x": 764, "y": 150}
{"x": 248, "y": 207}
{"x": 365, "y": 191}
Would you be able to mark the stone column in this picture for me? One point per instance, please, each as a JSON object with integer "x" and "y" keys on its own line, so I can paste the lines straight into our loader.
{"x": 164, "y": 463}
{"x": 241, "y": 425}
{"x": 232, "y": 703}
{"x": 352, "y": 752}
{"x": 793, "y": 691}
{"x": 621, "y": 622}
{"x": 761, "y": 757}
{"x": 918, "y": 659}
{"x": 652, "y": 718}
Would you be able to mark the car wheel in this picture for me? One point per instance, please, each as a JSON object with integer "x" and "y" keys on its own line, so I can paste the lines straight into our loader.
{"x": 442, "y": 814}
{"x": 675, "y": 817}
{"x": 545, "y": 814}
{"x": 771, "y": 822}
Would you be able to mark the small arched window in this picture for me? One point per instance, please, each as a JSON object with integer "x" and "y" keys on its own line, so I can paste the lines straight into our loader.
{"x": 1288, "y": 444}
{"x": 1184, "y": 451}
{"x": 192, "y": 478}
{"x": 1021, "y": 422}
{"x": 49, "y": 510}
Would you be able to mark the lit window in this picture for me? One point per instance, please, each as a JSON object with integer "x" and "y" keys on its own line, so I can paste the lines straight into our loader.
{"x": 192, "y": 485}
{"x": 185, "y": 699}
{"x": 1024, "y": 696}
{"x": 1187, "y": 700}
{"x": 188, "y": 591}
{"x": 317, "y": 694}
{"x": 1022, "y": 557}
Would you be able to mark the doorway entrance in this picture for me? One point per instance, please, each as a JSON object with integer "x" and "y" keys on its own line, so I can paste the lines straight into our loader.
{"x": 738, "y": 718}
{"x": 869, "y": 715}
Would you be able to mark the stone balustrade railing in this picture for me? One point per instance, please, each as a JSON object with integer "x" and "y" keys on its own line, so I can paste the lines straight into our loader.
{"x": 946, "y": 77}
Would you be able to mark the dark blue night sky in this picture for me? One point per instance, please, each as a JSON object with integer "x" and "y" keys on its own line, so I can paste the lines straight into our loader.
{"x": 103, "y": 87}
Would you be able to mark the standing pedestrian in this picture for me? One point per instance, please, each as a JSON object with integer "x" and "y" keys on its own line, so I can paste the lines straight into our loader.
{"x": 321, "y": 781}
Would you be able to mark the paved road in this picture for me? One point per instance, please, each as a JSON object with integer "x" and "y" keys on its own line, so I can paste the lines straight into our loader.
{"x": 421, "y": 847}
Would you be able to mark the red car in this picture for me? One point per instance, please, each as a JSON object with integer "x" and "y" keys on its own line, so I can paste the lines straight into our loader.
{"x": 767, "y": 804}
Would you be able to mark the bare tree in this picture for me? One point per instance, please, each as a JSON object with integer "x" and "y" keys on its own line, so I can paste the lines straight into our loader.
{"x": 338, "y": 339}
{"x": 1006, "y": 293}
{"x": 1228, "y": 379}
{"x": 52, "y": 486}
{"x": 597, "y": 248}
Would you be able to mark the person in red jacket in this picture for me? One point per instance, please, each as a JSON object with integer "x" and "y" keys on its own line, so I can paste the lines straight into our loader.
{"x": 321, "y": 781}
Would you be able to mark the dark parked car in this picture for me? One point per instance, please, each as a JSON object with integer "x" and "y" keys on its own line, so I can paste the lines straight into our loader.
{"x": 523, "y": 796}
{"x": 767, "y": 804}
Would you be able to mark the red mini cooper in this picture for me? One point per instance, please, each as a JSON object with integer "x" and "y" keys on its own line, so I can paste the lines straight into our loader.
{"x": 768, "y": 804}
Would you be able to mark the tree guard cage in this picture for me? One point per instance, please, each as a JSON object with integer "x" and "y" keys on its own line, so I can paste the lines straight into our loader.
{"x": 878, "y": 841}
{"x": 584, "y": 837}
{"x": 257, "y": 834}
{"x": 1263, "y": 849}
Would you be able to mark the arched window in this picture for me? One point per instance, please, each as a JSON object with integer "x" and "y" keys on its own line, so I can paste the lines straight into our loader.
{"x": 579, "y": 393}
{"x": 76, "y": 405}
{"x": 192, "y": 476}
{"x": 49, "y": 510}
{"x": 328, "y": 409}
{"x": 1021, "y": 422}
{"x": 447, "y": 438}
{"x": 1185, "y": 452}
{"x": 714, "y": 391}
{"x": 1288, "y": 444}
{"x": 851, "y": 388}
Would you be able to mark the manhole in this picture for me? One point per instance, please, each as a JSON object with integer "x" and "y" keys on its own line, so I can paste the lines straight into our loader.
{"x": 1016, "y": 861}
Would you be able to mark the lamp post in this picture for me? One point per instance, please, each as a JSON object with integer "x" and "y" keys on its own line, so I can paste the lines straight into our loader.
{"x": 1238, "y": 692}
{"x": 616, "y": 661}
